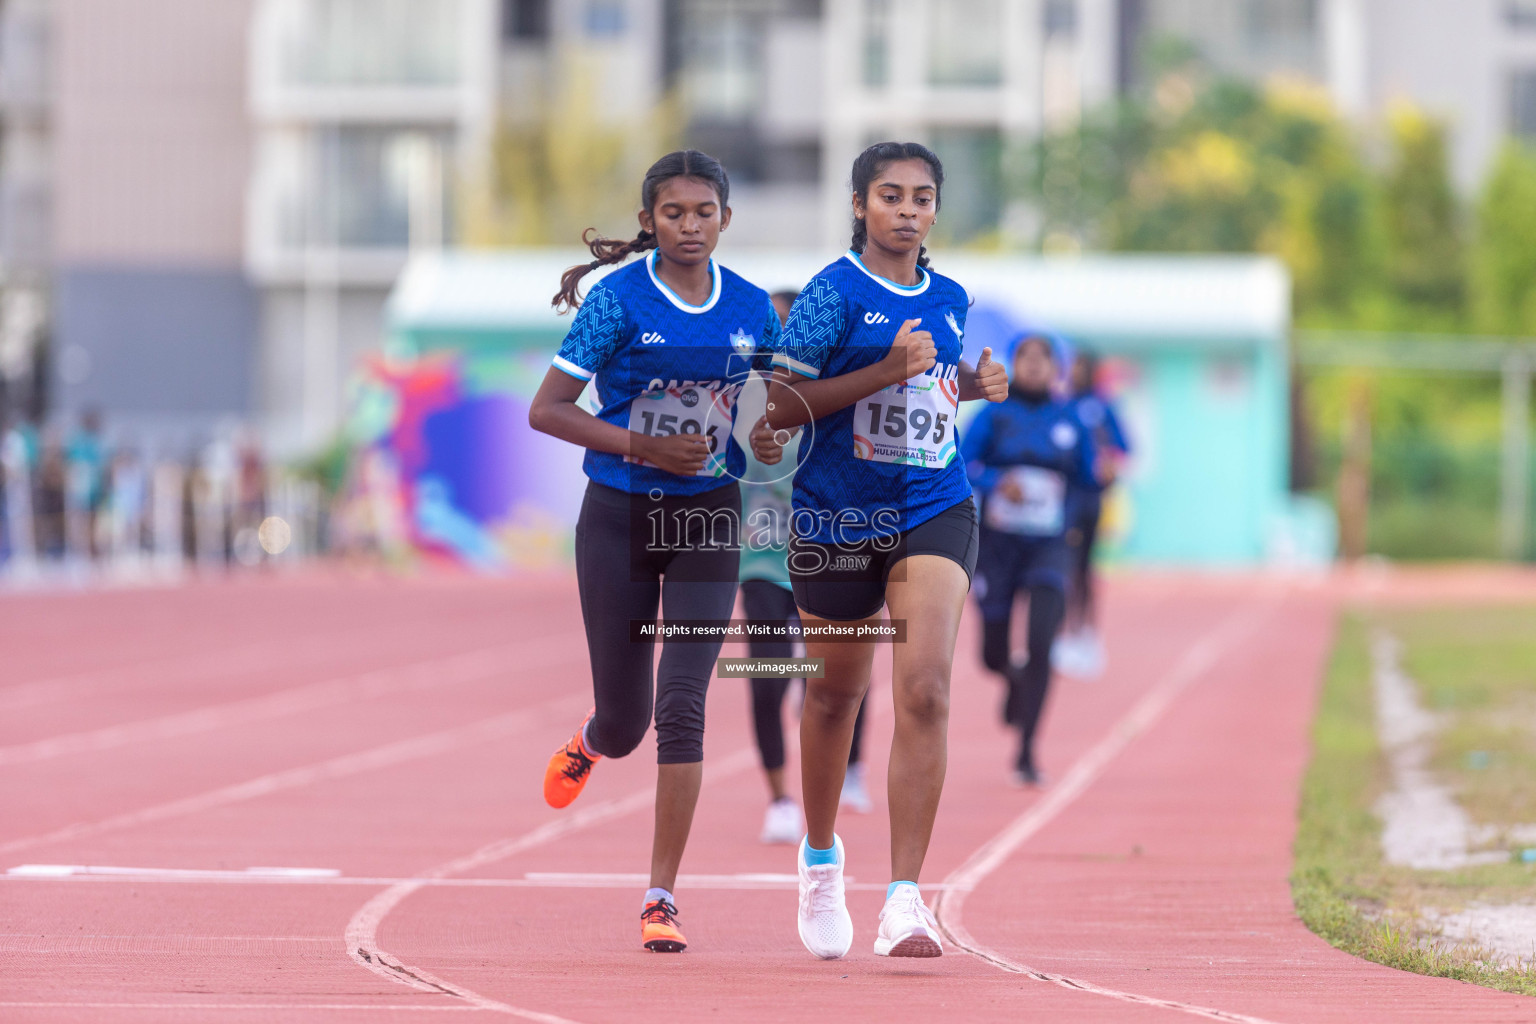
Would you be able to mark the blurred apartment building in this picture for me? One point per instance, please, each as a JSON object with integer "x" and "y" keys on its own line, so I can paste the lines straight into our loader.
{"x": 203, "y": 203}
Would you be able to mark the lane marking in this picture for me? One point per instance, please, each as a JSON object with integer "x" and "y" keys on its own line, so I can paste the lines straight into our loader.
{"x": 422, "y": 675}
{"x": 190, "y": 874}
{"x": 387, "y": 756}
{"x": 1196, "y": 662}
{"x": 437, "y": 1008}
{"x": 744, "y": 882}
{"x": 362, "y": 933}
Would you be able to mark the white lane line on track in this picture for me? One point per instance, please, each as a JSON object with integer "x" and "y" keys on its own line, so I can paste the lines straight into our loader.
{"x": 361, "y": 936}
{"x": 1197, "y": 661}
{"x": 533, "y": 880}
{"x": 386, "y": 756}
{"x": 230, "y": 1007}
{"x": 177, "y": 874}
{"x": 425, "y": 674}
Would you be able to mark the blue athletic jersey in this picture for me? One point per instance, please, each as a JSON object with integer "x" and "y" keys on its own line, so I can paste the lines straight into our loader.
{"x": 662, "y": 366}
{"x": 888, "y": 462}
{"x": 1098, "y": 416}
{"x": 1042, "y": 447}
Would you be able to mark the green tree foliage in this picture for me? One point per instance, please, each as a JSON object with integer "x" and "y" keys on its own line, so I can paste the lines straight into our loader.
{"x": 570, "y": 167}
{"x": 1503, "y": 280}
{"x": 1198, "y": 165}
{"x": 1423, "y": 225}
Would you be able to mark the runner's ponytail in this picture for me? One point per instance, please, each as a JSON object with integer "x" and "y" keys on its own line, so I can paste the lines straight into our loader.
{"x": 685, "y": 163}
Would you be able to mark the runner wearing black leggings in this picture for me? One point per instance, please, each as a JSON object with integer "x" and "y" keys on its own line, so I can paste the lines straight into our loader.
{"x": 668, "y": 343}
{"x": 1026, "y": 457}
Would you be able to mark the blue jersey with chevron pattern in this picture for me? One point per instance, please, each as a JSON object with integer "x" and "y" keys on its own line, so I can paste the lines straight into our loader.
{"x": 637, "y": 339}
{"x": 844, "y": 320}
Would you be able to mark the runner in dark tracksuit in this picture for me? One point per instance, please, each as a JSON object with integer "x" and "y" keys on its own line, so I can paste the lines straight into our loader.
{"x": 1025, "y": 457}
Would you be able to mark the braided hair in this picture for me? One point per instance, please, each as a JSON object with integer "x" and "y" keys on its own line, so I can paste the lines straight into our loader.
{"x": 685, "y": 163}
{"x": 874, "y": 160}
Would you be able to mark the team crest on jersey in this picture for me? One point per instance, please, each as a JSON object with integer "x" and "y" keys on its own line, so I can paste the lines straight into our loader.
{"x": 743, "y": 342}
{"x": 1064, "y": 435}
{"x": 954, "y": 325}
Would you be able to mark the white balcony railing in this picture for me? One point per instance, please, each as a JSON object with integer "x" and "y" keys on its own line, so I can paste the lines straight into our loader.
{"x": 379, "y": 60}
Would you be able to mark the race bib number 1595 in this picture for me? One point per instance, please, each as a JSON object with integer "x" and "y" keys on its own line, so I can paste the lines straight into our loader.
{"x": 911, "y": 423}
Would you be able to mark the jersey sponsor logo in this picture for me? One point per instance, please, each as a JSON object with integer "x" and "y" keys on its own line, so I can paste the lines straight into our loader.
{"x": 1064, "y": 435}
{"x": 876, "y": 318}
{"x": 954, "y": 325}
{"x": 651, "y": 338}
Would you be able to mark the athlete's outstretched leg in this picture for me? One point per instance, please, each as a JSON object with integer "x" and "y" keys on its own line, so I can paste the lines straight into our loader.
{"x": 762, "y": 601}
{"x": 1046, "y": 606}
{"x": 700, "y": 585}
{"x": 929, "y": 599}
{"x": 826, "y": 727}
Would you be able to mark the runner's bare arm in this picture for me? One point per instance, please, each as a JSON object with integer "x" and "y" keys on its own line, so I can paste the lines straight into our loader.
{"x": 912, "y": 352}
{"x": 554, "y": 411}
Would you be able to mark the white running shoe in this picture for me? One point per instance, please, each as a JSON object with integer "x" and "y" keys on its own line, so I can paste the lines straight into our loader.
{"x": 783, "y": 822}
{"x": 907, "y": 926}
{"x": 1091, "y": 659}
{"x": 855, "y": 795}
{"x": 825, "y": 927}
{"x": 1067, "y": 655}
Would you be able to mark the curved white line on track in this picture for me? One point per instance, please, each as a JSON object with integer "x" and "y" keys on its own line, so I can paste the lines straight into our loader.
{"x": 362, "y": 934}
{"x": 1197, "y": 661}
{"x": 421, "y": 675}
{"x": 388, "y": 755}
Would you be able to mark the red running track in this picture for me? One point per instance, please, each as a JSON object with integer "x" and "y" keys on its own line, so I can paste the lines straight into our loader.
{"x": 395, "y": 733}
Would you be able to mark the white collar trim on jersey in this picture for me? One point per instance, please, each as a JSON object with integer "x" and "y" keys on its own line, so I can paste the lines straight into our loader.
{"x": 677, "y": 300}
{"x": 899, "y": 289}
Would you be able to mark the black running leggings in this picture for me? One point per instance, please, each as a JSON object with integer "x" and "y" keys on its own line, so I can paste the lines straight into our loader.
{"x": 1026, "y": 695}
{"x": 625, "y": 575}
{"x": 769, "y": 602}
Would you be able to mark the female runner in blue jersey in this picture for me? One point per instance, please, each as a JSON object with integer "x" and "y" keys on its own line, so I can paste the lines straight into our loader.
{"x": 1027, "y": 458}
{"x": 883, "y": 518}
{"x": 668, "y": 343}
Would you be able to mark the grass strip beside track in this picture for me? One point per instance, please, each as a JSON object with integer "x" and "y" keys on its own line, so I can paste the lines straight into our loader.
{"x": 1343, "y": 889}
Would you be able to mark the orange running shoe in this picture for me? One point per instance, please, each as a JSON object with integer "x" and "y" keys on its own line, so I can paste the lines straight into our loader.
{"x": 568, "y": 770}
{"x": 658, "y": 928}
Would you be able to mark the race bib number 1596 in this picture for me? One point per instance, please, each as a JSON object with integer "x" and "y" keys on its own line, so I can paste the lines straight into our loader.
{"x": 707, "y": 408}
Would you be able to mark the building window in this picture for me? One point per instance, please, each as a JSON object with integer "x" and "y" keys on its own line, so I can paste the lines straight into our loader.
{"x": 973, "y": 183}
{"x": 965, "y": 42}
{"x": 525, "y": 21}
{"x": 1287, "y": 18}
{"x": 1060, "y": 17}
{"x": 1522, "y": 103}
{"x": 604, "y": 18}
{"x": 876, "y": 42}
{"x": 1520, "y": 13}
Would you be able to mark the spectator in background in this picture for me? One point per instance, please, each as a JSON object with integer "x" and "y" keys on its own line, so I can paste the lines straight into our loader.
{"x": 127, "y": 500}
{"x": 49, "y": 499}
{"x": 85, "y": 483}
